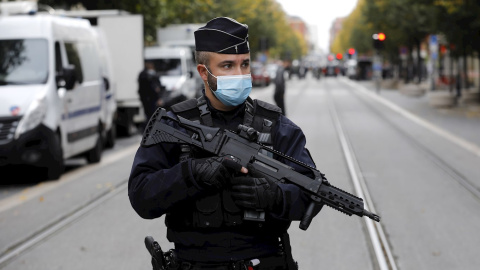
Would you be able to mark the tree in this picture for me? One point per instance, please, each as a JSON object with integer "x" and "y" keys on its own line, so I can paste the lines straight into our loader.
{"x": 406, "y": 22}
{"x": 458, "y": 20}
{"x": 148, "y": 8}
{"x": 355, "y": 32}
{"x": 265, "y": 18}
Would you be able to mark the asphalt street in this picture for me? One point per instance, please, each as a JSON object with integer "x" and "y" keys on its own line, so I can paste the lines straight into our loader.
{"x": 417, "y": 166}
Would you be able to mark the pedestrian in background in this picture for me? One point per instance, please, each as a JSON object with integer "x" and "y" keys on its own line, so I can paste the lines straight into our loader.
{"x": 279, "y": 95}
{"x": 149, "y": 89}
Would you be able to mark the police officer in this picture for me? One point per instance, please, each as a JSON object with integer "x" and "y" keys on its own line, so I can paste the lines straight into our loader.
{"x": 149, "y": 88}
{"x": 203, "y": 198}
{"x": 279, "y": 94}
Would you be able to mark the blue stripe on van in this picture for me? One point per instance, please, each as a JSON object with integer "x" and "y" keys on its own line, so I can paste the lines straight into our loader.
{"x": 84, "y": 133}
{"x": 81, "y": 112}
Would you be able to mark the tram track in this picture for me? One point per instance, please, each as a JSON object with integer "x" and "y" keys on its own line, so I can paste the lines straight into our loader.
{"x": 433, "y": 157}
{"x": 61, "y": 223}
{"x": 418, "y": 224}
{"x": 379, "y": 243}
{"x": 370, "y": 102}
{"x": 90, "y": 193}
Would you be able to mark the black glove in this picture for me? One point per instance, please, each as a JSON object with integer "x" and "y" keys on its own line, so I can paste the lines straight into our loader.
{"x": 257, "y": 193}
{"x": 213, "y": 172}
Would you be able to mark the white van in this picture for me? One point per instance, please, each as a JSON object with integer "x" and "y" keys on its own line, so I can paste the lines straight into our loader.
{"x": 182, "y": 35}
{"x": 121, "y": 36}
{"x": 174, "y": 67}
{"x": 109, "y": 104}
{"x": 51, "y": 92}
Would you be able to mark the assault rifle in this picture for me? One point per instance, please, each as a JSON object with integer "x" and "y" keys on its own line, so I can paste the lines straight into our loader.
{"x": 243, "y": 147}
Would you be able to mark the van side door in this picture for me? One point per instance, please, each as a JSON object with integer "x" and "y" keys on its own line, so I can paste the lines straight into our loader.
{"x": 84, "y": 103}
{"x": 65, "y": 97}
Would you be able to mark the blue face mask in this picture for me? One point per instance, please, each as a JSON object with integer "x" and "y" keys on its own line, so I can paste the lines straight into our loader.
{"x": 233, "y": 90}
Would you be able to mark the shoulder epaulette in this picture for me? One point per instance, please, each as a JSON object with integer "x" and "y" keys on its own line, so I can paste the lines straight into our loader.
{"x": 267, "y": 110}
{"x": 186, "y": 109}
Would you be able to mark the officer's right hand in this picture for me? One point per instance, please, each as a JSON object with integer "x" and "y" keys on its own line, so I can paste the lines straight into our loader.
{"x": 214, "y": 172}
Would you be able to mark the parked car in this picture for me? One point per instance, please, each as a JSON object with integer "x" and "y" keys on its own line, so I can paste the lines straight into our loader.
{"x": 297, "y": 68}
{"x": 332, "y": 69}
{"x": 260, "y": 76}
{"x": 272, "y": 71}
{"x": 351, "y": 69}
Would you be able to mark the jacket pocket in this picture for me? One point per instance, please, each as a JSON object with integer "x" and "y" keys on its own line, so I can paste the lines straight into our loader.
{"x": 208, "y": 212}
{"x": 233, "y": 215}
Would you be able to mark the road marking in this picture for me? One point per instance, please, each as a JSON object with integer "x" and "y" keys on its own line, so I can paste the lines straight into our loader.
{"x": 377, "y": 236}
{"x": 471, "y": 147}
{"x": 41, "y": 188}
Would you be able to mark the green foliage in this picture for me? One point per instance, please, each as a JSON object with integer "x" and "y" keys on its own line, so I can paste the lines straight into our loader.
{"x": 148, "y": 8}
{"x": 458, "y": 20}
{"x": 265, "y": 18}
{"x": 408, "y": 22}
{"x": 356, "y": 33}
{"x": 405, "y": 22}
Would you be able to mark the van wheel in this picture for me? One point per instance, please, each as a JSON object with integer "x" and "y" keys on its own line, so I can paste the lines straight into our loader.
{"x": 57, "y": 164}
{"x": 110, "y": 137}
{"x": 95, "y": 154}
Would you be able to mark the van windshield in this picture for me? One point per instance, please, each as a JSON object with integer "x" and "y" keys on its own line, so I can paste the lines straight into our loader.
{"x": 168, "y": 67}
{"x": 23, "y": 61}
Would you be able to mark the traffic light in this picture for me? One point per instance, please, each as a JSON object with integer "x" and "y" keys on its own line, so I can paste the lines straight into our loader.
{"x": 351, "y": 52}
{"x": 378, "y": 40}
{"x": 443, "y": 49}
{"x": 264, "y": 46}
{"x": 339, "y": 56}
{"x": 381, "y": 36}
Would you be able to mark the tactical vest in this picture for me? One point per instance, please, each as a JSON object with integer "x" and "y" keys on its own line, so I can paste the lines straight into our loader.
{"x": 218, "y": 209}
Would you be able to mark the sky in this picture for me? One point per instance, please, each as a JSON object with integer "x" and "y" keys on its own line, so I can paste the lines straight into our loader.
{"x": 319, "y": 13}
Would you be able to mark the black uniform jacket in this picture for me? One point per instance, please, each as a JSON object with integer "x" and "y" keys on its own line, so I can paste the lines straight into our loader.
{"x": 159, "y": 182}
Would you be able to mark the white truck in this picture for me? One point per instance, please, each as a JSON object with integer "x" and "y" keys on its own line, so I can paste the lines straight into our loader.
{"x": 182, "y": 35}
{"x": 178, "y": 35}
{"x": 123, "y": 40}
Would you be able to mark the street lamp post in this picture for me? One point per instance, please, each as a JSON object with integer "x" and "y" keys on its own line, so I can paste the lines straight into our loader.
{"x": 378, "y": 44}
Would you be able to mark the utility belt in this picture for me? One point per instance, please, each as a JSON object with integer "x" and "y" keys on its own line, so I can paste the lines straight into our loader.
{"x": 169, "y": 261}
{"x": 267, "y": 263}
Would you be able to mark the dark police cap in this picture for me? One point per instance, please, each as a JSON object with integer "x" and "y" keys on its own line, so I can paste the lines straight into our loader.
{"x": 222, "y": 35}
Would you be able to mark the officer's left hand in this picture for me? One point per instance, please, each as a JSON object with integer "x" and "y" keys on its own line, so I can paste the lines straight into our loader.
{"x": 256, "y": 193}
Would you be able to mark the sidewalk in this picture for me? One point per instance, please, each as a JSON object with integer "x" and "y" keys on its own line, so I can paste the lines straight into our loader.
{"x": 462, "y": 121}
